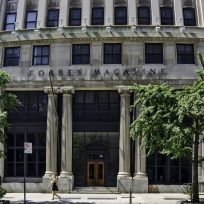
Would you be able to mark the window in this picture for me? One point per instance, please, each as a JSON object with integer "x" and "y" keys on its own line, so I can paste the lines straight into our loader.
{"x": 163, "y": 170}
{"x": 41, "y": 55}
{"x": 97, "y": 16}
{"x": 15, "y": 154}
{"x": 185, "y": 54}
{"x": 120, "y": 15}
{"x": 12, "y": 56}
{"x": 143, "y": 16}
{"x": 189, "y": 17}
{"x": 31, "y": 19}
{"x": 10, "y": 21}
{"x": 153, "y": 53}
{"x": 81, "y": 54}
{"x": 166, "y": 15}
{"x": 112, "y": 53}
{"x": 52, "y": 18}
{"x": 75, "y": 17}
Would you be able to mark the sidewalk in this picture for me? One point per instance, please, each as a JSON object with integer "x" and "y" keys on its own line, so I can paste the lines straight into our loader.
{"x": 156, "y": 198}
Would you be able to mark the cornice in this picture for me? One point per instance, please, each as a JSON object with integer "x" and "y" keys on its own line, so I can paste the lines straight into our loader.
{"x": 119, "y": 33}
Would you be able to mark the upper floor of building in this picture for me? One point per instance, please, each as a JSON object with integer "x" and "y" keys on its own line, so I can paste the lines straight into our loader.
{"x": 32, "y": 14}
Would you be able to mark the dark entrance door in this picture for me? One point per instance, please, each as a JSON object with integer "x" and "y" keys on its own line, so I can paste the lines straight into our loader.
{"x": 95, "y": 173}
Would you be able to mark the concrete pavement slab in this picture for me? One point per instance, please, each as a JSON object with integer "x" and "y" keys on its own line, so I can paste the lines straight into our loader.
{"x": 156, "y": 198}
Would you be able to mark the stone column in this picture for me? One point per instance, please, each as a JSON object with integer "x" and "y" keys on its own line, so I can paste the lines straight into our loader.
{"x": 178, "y": 12}
{"x": 86, "y": 4}
{"x": 201, "y": 169}
{"x": 200, "y": 12}
{"x": 21, "y": 9}
{"x": 132, "y": 12}
{"x": 2, "y": 13}
{"x": 1, "y": 149}
{"x": 108, "y": 17}
{"x": 63, "y": 15}
{"x": 140, "y": 177}
{"x": 155, "y": 11}
{"x": 42, "y": 14}
{"x": 66, "y": 175}
{"x": 51, "y": 136}
{"x": 124, "y": 179}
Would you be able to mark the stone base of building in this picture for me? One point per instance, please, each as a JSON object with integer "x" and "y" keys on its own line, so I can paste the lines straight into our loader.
{"x": 137, "y": 184}
{"x": 66, "y": 184}
{"x": 140, "y": 184}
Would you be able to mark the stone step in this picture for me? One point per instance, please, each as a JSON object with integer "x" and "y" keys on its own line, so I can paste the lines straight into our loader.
{"x": 95, "y": 190}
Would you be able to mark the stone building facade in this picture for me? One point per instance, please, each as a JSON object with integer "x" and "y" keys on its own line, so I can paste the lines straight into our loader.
{"x": 71, "y": 62}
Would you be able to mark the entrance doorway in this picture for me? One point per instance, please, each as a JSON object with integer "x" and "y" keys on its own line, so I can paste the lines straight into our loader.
{"x": 95, "y": 173}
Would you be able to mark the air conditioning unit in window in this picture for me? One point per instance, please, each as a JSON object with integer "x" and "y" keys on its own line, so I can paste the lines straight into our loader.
{"x": 166, "y": 3}
{"x": 75, "y": 3}
{"x": 188, "y": 3}
{"x": 120, "y": 2}
{"x": 97, "y": 2}
{"x": 143, "y": 2}
{"x": 11, "y": 6}
{"x": 53, "y": 4}
{"x": 32, "y": 4}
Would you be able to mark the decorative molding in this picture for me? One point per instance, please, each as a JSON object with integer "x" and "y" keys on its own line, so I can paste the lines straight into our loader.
{"x": 49, "y": 90}
{"x": 67, "y": 90}
{"x": 124, "y": 90}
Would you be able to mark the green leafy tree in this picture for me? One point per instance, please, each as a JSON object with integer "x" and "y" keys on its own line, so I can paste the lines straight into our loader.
{"x": 8, "y": 102}
{"x": 172, "y": 121}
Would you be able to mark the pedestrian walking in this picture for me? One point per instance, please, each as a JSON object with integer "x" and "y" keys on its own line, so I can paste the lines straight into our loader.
{"x": 54, "y": 186}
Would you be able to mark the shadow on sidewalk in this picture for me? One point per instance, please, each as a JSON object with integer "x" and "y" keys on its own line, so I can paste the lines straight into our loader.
{"x": 53, "y": 202}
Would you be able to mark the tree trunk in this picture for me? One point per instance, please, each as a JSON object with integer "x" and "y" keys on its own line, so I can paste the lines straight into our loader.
{"x": 195, "y": 193}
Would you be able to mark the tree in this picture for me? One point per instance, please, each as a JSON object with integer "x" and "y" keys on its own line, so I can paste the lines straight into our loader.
{"x": 172, "y": 121}
{"x": 8, "y": 102}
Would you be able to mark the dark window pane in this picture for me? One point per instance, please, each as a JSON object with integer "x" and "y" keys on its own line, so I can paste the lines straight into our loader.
{"x": 185, "y": 54}
{"x": 166, "y": 15}
{"x": 31, "y": 169}
{"x": 75, "y": 17}
{"x": 153, "y": 53}
{"x": 81, "y": 54}
{"x": 41, "y": 55}
{"x": 143, "y": 15}
{"x": 120, "y": 16}
{"x": 52, "y": 18}
{"x": 20, "y": 140}
{"x": 19, "y": 155}
{"x": 97, "y": 16}
{"x": 10, "y": 155}
{"x": 10, "y": 20}
{"x": 189, "y": 17}
{"x": 31, "y": 19}
{"x": 12, "y": 56}
{"x": 112, "y": 53}
{"x": 10, "y": 170}
{"x": 41, "y": 169}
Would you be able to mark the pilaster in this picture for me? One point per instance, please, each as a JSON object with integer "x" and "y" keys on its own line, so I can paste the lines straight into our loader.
{"x": 155, "y": 11}
{"x": 66, "y": 175}
{"x": 42, "y": 14}
{"x": 20, "y": 14}
{"x": 200, "y": 12}
{"x": 86, "y": 4}
{"x": 178, "y": 12}
{"x": 2, "y": 13}
{"x": 63, "y": 15}
{"x": 108, "y": 12}
{"x": 124, "y": 180}
{"x": 132, "y": 12}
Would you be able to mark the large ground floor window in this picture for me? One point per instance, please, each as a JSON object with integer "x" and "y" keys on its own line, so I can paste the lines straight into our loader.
{"x": 14, "y": 163}
{"x": 163, "y": 170}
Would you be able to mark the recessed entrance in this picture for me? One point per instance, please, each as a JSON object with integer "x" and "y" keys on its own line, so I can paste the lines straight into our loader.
{"x": 95, "y": 173}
